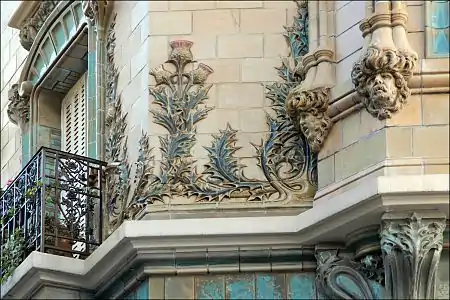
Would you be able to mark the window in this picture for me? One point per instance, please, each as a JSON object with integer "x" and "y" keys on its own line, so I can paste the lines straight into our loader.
{"x": 437, "y": 28}
{"x": 73, "y": 112}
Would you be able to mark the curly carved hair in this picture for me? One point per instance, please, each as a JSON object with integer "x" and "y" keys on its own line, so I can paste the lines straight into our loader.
{"x": 376, "y": 60}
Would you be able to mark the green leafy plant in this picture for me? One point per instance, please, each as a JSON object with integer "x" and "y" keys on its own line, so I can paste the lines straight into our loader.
{"x": 12, "y": 254}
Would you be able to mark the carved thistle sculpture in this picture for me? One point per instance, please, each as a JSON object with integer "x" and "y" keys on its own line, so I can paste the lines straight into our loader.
{"x": 411, "y": 249}
{"x": 180, "y": 94}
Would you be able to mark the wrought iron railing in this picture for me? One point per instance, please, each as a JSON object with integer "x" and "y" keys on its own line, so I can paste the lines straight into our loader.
{"x": 54, "y": 205}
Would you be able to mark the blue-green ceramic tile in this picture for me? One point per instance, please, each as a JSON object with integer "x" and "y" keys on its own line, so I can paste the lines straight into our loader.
{"x": 240, "y": 286}
{"x": 210, "y": 287}
{"x": 270, "y": 286}
{"x": 301, "y": 286}
{"x": 142, "y": 291}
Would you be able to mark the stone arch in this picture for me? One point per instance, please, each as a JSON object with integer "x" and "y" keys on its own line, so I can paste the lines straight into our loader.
{"x": 61, "y": 51}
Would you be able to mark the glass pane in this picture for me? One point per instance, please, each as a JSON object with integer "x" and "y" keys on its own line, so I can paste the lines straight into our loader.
{"x": 179, "y": 287}
{"x": 58, "y": 36}
{"x": 70, "y": 24}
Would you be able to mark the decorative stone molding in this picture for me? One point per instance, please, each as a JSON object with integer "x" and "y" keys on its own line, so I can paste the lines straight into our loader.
{"x": 411, "y": 251}
{"x": 339, "y": 277}
{"x": 19, "y": 103}
{"x": 381, "y": 74}
{"x": 32, "y": 25}
{"x": 95, "y": 10}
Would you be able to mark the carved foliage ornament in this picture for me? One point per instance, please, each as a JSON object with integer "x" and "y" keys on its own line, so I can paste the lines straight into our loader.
{"x": 33, "y": 24}
{"x": 121, "y": 197}
{"x": 380, "y": 78}
{"x": 19, "y": 106}
{"x": 412, "y": 249}
{"x": 339, "y": 277}
{"x": 93, "y": 10}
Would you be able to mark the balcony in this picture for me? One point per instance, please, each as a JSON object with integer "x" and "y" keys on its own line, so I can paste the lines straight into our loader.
{"x": 54, "y": 206}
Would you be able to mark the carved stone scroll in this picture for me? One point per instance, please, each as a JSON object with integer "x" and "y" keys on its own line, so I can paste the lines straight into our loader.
{"x": 33, "y": 24}
{"x": 411, "y": 251}
{"x": 339, "y": 277}
{"x": 19, "y": 103}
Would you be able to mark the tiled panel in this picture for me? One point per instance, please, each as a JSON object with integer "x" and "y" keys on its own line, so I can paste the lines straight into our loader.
{"x": 179, "y": 287}
{"x": 270, "y": 286}
{"x": 210, "y": 287}
{"x": 301, "y": 286}
{"x": 241, "y": 286}
{"x": 229, "y": 286}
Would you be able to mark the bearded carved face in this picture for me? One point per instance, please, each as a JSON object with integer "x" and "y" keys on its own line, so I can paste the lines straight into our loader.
{"x": 382, "y": 95}
{"x": 381, "y": 88}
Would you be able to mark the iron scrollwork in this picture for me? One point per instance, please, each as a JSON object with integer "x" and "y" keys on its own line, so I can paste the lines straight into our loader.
{"x": 51, "y": 206}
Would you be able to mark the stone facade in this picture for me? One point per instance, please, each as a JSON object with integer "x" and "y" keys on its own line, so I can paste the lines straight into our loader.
{"x": 256, "y": 149}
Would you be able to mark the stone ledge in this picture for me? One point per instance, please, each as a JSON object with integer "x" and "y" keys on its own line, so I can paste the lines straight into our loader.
{"x": 136, "y": 242}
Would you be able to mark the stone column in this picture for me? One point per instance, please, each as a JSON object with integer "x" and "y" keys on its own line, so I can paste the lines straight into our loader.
{"x": 411, "y": 247}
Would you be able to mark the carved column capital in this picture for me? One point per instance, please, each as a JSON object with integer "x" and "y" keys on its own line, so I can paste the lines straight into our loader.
{"x": 339, "y": 277}
{"x": 19, "y": 103}
{"x": 411, "y": 249}
{"x": 95, "y": 11}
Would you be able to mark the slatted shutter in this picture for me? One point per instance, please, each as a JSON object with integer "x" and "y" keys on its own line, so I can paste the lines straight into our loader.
{"x": 73, "y": 112}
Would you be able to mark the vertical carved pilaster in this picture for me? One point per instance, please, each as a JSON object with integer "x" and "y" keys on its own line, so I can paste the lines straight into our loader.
{"x": 411, "y": 249}
{"x": 339, "y": 277}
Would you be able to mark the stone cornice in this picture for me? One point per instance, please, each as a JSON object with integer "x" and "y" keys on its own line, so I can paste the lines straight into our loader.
{"x": 331, "y": 218}
{"x": 25, "y": 10}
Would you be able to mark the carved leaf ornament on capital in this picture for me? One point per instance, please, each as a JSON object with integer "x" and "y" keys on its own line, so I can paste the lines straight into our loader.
{"x": 284, "y": 157}
{"x": 411, "y": 252}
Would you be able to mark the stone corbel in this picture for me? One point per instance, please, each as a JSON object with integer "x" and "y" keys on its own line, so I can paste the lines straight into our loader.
{"x": 307, "y": 103}
{"x": 19, "y": 103}
{"x": 340, "y": 277}
{"x": 95, "y": 11}
{"x": 411, "y": 247}
{"x": 33, "y": 24}
{"x": 381, "y": 74}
